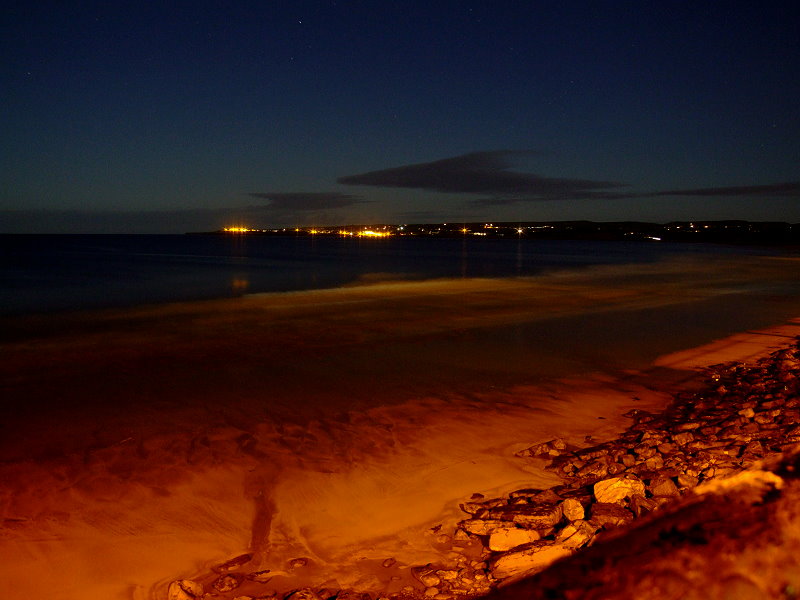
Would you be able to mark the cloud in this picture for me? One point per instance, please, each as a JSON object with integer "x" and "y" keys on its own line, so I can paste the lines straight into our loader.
{"x": 483, "y": 173}
{"x": 311, "y": 201}
{"x": 789, "y": 188}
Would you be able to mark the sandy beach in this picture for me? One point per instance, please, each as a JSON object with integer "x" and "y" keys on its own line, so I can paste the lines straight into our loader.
{"x": 139, "y": 446}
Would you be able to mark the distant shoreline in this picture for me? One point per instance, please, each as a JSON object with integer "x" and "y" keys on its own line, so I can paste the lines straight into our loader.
{"x": 769, "y": 233}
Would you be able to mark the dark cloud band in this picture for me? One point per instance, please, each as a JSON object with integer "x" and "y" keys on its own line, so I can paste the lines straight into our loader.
{"x": 789, "y": 188}
{"x": 481, "y": 173}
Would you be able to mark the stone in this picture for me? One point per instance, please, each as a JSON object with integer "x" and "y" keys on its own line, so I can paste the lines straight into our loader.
{"x": 529, "y": 561}
{"x": 654, "y": 463}
{"x": 747, "y": 413}
{"x": 184, "y": 589}
{"x": 502, "y": 540}
{"x": 683, "y": 438}
{"x": 641, "y": 506}
{"x": 572, "y": 509}
{"x": 233, "y": 563}
{"x": 389, "y": 562}
{"x": 303, "y": 594}
{"x": 260, "y": 576}
{"x": 483, "y": 526}
{"x": 531, "y": 516}
{"x": 226, "y": 583}
{"x": 347, "y": 595}
{"x": 595, "y": 469}
{"x": 617, "y": 489}
{"x": 666, "y": 448}
{"x": 644, "y": 451}
{"x": 688, "y": 426}
{"x": 461, "y": 537}
{"x": 552, "y": 448}
{"x": 296, "y": 563}
{"x": 575, "y": 535}
{"x": 474, "y": 508}
{"x": 663, "y": 486}
{"x": 607, "y": 514}
{"x": 430, "y": 579}
{"x": 540, "y": 516}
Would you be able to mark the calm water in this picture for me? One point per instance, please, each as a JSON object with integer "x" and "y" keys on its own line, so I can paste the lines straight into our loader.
{"x": 57, "y": 272}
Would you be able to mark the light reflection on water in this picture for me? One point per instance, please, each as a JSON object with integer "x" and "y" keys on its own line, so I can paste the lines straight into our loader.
{"x": 78, "y": 271}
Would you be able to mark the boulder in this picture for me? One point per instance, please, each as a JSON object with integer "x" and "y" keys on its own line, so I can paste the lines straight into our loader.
{"x": 575, "y": 535}
{"x": 683, "y": 438}
{"x": 608, "y": 514}
{"x": 617, "y": 489}
{"x": 533, "y": 559}
{"x": 540, "y": 516}
{"x": 303, "y": 594}
{"x": 572, "y": 509}
{"x": 233, "y": 563}
{"x": 184, "y": 589}
{"x": 510, "y": 537}
{"x": 531, "y": 516}
{"x": 663, "y": 486}
{"x": 226, "y": 583}
{"x": 483, "y": 526}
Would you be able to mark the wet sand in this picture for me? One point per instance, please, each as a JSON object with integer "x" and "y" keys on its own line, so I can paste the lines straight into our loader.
{"x": 143, "y": 445}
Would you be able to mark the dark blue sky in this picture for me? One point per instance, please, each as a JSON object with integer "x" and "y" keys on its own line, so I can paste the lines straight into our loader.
{"x": 166, "y": 117}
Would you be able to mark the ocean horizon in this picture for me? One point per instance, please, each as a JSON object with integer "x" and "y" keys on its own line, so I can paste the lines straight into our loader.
{"x": 50, "y": 273}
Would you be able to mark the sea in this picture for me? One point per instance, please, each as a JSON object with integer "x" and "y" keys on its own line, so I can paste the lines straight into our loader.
{"x": 47, "y": 273}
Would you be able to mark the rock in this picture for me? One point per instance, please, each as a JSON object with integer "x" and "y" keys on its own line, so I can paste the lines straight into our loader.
{"x": 531, "y": 516}
{"x": 537, "y": 557}
{"x": 429, "y": 579}
{"x": 461, "y": 537}
{"x": 483, "y": 526}
{"x": 260, "y": 576}
{"x": 552, "y": 448}
{"x": 303, "y": 594}
{"x": 389, "y": 562}
{"x": 226, "y": 583}
{"x": 594, "y": 469}
{"x": 654, "y": 463}
{"x": 747, "y": 413}
{"x": 446, "y": 574}
{"x": 641, "y": 506}
{"x": 682, "y": 439}
{"x": 663, "y": 486}
{"x": 572, "y": 509}
{"x": 347, "y": 595}
{"x": 296, "y": 563}
{"x": 606, "y": 514}
{"x": 575, "y": 535}
{"x": 666, "y": 448}
{"x": 473, "y": 508}
{"x": 540, "y": 516}
{"x": 617, "y": 489}
{"x": 511, "y": 537}
{"x": 184, "y": 589}
{"x": 234, "y": 563}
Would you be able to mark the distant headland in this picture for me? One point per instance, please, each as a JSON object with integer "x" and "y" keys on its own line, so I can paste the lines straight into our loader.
{"x": 721, "y": 232}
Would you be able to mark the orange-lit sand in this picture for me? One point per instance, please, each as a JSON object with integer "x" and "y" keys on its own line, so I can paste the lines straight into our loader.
{"x": 338, "y": 425}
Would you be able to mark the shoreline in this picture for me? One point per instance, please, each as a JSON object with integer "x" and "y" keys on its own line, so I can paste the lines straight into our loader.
{"x": 509, "y": 535}
{"x": 184, "y": 481}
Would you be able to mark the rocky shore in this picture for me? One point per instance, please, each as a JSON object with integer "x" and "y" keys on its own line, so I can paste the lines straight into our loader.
{"x": 734, "y": 430}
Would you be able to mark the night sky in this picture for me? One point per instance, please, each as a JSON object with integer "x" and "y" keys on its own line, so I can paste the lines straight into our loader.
{"x": 177, "y": 116}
